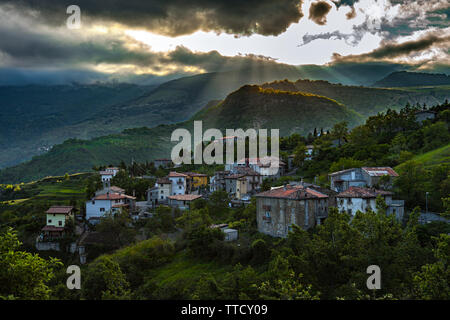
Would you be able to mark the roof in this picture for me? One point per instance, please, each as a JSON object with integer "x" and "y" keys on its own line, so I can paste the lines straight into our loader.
{"x": 195, "y": 174}
{"x": 106, "y": 173}
{"x": 247, "y": 171}
{"x": 264, "y": 161}
{"x": 292, "y": 192}
{"x": 163, "y": 181}
{"x": 342, "y": 171}
{"x": 113, "y": 196}
{"x": 185, "y": 197}
{"x": 359, "y": 192}
{"x": 52, "y": 228}
{"x": 380, "y": 171}
{"x": 60, "y": 209}
{"x": 176, "y": 174}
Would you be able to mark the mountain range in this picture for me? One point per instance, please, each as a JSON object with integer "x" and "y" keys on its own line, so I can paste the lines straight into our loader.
{"x": 292, "y": 106}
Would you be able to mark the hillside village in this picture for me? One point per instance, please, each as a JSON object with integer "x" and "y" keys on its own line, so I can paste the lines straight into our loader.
{"x": 239, "y": 210}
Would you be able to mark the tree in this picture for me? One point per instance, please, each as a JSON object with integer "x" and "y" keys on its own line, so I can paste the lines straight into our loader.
{"x": 104, "y": 280}
{"x": 299, "y": 154}
{"x": 340, "y": 131}
{"x": 23, "y": 275}
{"x": 433, "y": 281}
{"x": 117, "y": 228}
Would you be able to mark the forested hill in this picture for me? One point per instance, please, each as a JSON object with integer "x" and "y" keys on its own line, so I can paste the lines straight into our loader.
{"x": 413, "y": 79}
{"x": 248, "y": 107}
{"x": 364, "y": 100}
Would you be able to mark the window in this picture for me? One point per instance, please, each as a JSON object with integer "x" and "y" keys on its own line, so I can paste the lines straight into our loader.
{"x": 102, "y": 209}
{"x": 162, "y": 197}
{"x": 60, "y": 223}
{"x": 162, "y": 191}
{"x": 93, "y": 201}
{"x": 49, "y": 221}
{"x": 267, "y": 214}
{"x": 179, "y": 187}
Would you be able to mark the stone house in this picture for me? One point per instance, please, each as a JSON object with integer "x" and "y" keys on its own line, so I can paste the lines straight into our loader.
{"x": 280, "y": 208}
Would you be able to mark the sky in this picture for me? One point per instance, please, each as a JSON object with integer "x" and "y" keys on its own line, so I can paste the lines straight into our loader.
{"x": 168, "y": 38}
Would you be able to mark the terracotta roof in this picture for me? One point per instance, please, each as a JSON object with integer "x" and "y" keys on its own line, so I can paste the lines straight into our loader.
{"x": 195, "y": 174}
{"x": 176, "y": 174}
{"x": 113, "y": 196}
{"x": 52, "y": 228}
{"x": 60, "y": 209}
{"x": 292, "y": 192}
{"x": 185, "y": 197}
{"x": 380, "y": 171}
{"x": 359, "y": 192}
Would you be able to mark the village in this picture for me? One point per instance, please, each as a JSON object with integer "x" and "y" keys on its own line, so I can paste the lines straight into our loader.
{"x": 277, "y": 210}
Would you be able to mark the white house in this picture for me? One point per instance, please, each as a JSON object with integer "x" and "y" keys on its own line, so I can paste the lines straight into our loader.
{"x": 360, "y": 177}
{"x": 101, "y": 204}
{"x": 179, "y": 183}
{"x": 361, "y": 199}
{"x": 108, "y": 173}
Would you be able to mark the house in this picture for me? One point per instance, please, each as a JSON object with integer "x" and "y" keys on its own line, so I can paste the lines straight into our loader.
{"x": 360, "y": 177}
{"x": 57, "y": 218}
{"x": 108, "y": 174}
{"x": 268, "y": 166}
{"x": 361, "y": 199}
{"x": 159, "y": 193}
{"x": 197, "y": 180}
{"x": 217, "y": 182}
{"x": 179, "y": 183}
{"x": 162, "y": 163}
{"x": 182, "y": 201}
{"x": 110, "y": 189}
{"x": 309, "y": 152}
{"x": 280, "y": 208}
{"x": 244, "y": 181}
{"x": 101, "y": 204}
{"x": 423, "y": 115}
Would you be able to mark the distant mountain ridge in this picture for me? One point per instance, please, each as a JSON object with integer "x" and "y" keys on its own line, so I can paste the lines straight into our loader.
{"x": 412, "y": 79}
{"x": 247, "y": 107}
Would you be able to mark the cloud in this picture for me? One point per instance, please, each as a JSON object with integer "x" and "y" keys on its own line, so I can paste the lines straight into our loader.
{"x": 318, "y": 12}
{"x": 24, "y": 44}
{"x": 177, "y": 17}
{"x": 433, "y": 46}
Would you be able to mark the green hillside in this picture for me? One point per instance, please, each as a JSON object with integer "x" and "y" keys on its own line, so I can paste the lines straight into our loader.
{"x": 291, "y": 112}
{"x": 433, "y": 158}
{"x": 364, "y": 100}
{"x": 256, "y": 107}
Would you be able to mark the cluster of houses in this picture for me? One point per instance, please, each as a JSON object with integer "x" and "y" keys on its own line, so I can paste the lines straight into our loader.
{"x": 306, "y": 205}
{"x": 298, "y": 203}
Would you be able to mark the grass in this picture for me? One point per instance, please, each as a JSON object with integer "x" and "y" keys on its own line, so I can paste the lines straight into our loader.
{"x": 187, "y": 268}
{"x": 433, "y": 158}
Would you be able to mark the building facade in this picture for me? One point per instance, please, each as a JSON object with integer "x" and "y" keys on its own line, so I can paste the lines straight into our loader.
{"x": 280, "y": 208}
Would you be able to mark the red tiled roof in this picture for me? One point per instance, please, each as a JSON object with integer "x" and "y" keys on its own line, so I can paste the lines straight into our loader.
{"x": 60, "y": 209}
{"x": 359, "y": 192}
{"x": 380, "y": 171}
{"x": 52, "y": 228}
{"x": 176, "y": 174}
{"x": 292, "y": 192}
{"x": 195, "y": 174}
{"x": 113, "y": 196}
{"x": 185, "y": 197}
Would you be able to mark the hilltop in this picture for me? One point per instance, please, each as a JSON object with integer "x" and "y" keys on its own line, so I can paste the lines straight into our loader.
{"x": 413, "y": 79}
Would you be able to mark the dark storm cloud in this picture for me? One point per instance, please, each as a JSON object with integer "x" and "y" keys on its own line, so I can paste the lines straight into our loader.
{"x": 391, "y": 50}
{"x": 318, "y": 12}
{"x": 178, "y": 17}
